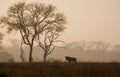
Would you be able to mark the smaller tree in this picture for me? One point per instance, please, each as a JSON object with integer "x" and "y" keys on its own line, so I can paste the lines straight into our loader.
{"x": 1, "y": 38}
{"x": 22, "y": 55}
{"x": 48, "y": 40}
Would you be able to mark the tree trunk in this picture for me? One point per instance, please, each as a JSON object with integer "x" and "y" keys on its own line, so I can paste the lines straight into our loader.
{"x": 22, "y": 56}
{"x": 44, "y": 57}
{"x": 30, "y": 54}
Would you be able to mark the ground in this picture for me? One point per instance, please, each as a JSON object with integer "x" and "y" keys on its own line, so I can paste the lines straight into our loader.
{"x": 57, "y": 69}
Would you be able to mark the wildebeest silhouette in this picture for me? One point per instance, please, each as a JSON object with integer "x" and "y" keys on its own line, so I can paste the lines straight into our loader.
{"x": 71, "y": 59}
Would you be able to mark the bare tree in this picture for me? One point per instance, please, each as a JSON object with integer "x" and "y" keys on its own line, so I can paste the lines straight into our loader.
{"x": 22, "y": 55}
{"x": 1, "y": 38}
{"x": 31, "y": 20}
{"x": 49, "y": 40}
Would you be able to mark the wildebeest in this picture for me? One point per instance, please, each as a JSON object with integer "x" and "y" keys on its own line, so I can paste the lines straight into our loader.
{"x": 71, "y": 59}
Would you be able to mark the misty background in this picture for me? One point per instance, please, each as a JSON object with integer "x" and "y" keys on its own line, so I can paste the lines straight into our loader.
{"x": 84, "y": 51}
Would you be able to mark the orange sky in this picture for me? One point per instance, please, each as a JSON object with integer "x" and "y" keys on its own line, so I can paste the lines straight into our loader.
{"x": 87, "y": 19}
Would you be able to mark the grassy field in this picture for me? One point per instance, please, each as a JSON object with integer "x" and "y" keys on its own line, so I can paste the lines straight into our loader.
{"x": 59, "y": 69}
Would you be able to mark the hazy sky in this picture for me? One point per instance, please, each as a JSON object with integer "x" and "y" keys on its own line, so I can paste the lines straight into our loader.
{"x": 87, "y": 19}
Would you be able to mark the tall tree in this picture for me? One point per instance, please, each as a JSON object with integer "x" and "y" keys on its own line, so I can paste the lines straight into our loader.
{"x": 30, "y": 20}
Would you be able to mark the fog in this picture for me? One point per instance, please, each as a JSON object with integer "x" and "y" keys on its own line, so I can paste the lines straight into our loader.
{"x": 84, "y": 51}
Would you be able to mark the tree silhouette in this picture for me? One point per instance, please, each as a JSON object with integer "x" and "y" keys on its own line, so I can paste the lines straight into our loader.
{"x": 48, "y": 40}
{"x": 1, "y": 38}
{"x": 22, "y": 55}
{"x": 31, "y": 20}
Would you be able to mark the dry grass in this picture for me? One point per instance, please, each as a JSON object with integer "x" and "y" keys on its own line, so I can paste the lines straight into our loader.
{"x": 60, "y": 69}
